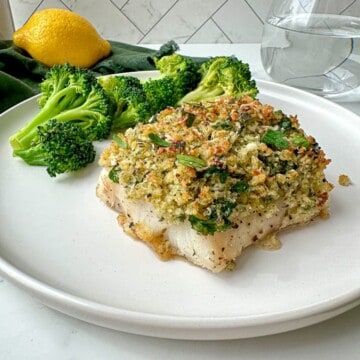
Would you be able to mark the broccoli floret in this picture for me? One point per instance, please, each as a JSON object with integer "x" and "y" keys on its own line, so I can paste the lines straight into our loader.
{"x": 129, "y": 97}
{"x": 222, "y": 76}
{"x": 136, "y": 102}
{"x": 135, "y": 112}
{"x": 166, "y": 49}
{"x": 62, "y": 147}
{"x": 161, "y": 93}
{"x": 184, "y": 71}
{"x": 68, "y": 94}
{"x": 120, "y": 88}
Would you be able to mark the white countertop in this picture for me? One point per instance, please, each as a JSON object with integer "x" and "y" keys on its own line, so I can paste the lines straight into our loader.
{"x": 29, "y": 330}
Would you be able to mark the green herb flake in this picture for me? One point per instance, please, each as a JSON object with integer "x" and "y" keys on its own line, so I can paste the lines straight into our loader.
{"x": 156, "y": 139}
{"x": 223, "y": 125}
{"x": 191, "y": 161}
{"x": 190, "y": 120}
{"x": 120, "y": 141}
{"x": 205, "y": 227}
{"x": 300, "y": 141}
{"x": 114, "y": 174}
{"x": 275, "y": 139}
{"x": 240, "y": 186}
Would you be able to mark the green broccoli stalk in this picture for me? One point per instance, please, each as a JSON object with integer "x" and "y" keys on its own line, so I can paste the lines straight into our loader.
{"x": 130, "y": 101}
{"x": 222, "y": 76}
{"x": 62, "y": 147}
{"x": 93, "y": 115}
{"x": 68, "y": 94}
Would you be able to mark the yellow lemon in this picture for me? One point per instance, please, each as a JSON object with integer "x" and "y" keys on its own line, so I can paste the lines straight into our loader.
{"x": 57, "y": 36}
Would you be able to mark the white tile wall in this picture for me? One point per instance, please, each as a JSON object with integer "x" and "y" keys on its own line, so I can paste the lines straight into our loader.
{"x": 6, "y": 22}
{"x": 156, "y": 21}
{"x": 146, "y": 13}
{"x": 209, "y": 32}
{"x": 239, "y": 22}
{"x": 106, "y": 17}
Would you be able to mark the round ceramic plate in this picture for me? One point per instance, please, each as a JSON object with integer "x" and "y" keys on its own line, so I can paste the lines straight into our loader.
{"x": 59, "y": 242}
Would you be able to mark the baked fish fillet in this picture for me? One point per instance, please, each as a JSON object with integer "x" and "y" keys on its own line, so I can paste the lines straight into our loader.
{"x": 213, "y": 250}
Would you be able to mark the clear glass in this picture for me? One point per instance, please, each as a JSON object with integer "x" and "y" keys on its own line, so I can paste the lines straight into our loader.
{"x": 314, "y": 45}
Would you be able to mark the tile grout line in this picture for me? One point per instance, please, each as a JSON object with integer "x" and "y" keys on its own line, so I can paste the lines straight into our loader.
{"x": 197, "y": 30}
{"x": 11, "y": 18}
{"x": 132, "y": 22}
{"x": 145, "y": 33}
{"x": 126, "y": 2}
{"x": 40, "y": 3}
{"x": 255, "y": 13}
{"x": 65, "y": 5}
{"x": 166, "y": 12}
{"x": 224, "y": 33}
{"x": 211, "y": 15}
{"x": 347, "y": 7}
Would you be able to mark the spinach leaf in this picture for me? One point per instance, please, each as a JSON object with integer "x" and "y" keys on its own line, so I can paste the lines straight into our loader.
{"x": 275, "y": 139}
{"x": 223, "y": 174}
{"x": 205, "y": 227}
{"x": 114, "y": 174}
{"x": 240, "y": 186}
{"x": 285, "y": 124}
{"x": 227, "y": 208}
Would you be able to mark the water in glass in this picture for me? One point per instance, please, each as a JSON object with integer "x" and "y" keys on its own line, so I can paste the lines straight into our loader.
{"x": 316, "y": 52}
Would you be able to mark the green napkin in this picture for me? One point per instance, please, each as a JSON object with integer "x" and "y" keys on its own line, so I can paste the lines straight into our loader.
{"x": 20, "y": 75}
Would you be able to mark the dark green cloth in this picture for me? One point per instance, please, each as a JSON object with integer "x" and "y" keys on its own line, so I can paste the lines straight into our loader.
{"x": 20, "y": 75}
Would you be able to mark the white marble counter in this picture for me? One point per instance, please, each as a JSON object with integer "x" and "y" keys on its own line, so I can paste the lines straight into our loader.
{"x": 29, "y": 330}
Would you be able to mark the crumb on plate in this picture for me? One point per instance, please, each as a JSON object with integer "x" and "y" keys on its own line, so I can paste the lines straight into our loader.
{"x": 344, "y": 180}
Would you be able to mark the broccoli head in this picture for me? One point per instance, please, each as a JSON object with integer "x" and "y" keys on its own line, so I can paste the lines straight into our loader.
{"x": 161, "y": 93}
{"x": 222, "y": 76}
{"x": 184, "y": 71}
{"x": 166, "y": 49}
{"x": 130, "y": 101}
{"x": 62, "y": 147}
{"x": 68, "y": 94}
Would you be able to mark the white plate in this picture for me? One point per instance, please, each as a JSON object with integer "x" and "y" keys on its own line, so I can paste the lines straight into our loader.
{"x": 61, "y": 244}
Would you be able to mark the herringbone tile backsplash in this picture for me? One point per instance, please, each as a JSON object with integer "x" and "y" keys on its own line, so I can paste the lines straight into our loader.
{"x": 156, "y": 21}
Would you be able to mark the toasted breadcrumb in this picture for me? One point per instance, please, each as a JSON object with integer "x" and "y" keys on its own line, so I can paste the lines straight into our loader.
{"x": 344, "y": 180}
{"x": 226, "y": 135}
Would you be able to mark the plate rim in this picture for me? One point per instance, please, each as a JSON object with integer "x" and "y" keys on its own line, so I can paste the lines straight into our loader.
{"x": 65, "y": 302}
